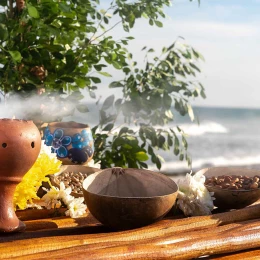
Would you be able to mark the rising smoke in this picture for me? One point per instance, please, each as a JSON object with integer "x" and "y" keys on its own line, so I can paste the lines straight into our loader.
{"x": 37, "y": 107}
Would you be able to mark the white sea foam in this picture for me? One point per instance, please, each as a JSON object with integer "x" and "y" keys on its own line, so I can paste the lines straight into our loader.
{"x": 180, "y": 166}
{"x": 193, "y": 129}
{"x": 203, "y": 128}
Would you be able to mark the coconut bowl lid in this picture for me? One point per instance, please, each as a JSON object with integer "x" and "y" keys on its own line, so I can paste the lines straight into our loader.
{"x": 129, "y": 183}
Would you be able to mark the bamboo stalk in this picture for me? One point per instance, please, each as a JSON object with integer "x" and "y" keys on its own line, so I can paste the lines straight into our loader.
{"x": 169, "y": 239}
{"x": 130, "y": 237}
{"x": 247, "y": 255}
{"x": 216, "y": 244}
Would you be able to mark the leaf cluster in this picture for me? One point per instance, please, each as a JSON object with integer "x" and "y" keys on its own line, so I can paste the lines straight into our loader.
{"x": 63, "y": 46}
{"x": 149, "y": 96}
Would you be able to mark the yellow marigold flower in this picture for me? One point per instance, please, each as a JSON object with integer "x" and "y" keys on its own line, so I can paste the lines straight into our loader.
{"x": 27, "y": 189}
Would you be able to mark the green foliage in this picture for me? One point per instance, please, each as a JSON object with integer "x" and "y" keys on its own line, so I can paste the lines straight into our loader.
{"x": 63, "y": 47}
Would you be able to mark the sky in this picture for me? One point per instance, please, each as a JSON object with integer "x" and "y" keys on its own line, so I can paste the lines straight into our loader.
{"x": 226, "y": 32}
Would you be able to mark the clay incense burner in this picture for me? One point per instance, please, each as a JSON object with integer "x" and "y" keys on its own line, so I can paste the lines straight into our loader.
{"x": 20, "y": 144}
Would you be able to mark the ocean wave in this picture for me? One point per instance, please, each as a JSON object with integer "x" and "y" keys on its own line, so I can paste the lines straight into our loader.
{"x": 203, "y": 128}
{"x": 181, "y": 166}
{"x": 190, "y": 129}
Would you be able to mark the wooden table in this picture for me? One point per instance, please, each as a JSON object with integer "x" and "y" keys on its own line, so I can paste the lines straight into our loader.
{"x": 230, "y": 235}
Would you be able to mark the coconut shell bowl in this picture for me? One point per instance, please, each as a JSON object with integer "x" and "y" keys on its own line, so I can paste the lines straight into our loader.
{"x": 233, "y": 187}
{"x": 72, "y": 141}
{"x": 129, "y": 198}
{"x": 20, "y": 144}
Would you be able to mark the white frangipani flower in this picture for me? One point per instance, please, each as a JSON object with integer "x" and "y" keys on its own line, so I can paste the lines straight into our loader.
{"x": 55, "y": 197}
{"x": 193, "y": 198}
{"x": 76, "y": 208}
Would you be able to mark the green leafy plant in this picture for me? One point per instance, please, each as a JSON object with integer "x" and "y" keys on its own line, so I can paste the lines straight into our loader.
{"x": 57, "y": 48}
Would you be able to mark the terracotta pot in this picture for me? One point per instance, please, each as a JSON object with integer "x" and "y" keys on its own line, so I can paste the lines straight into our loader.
{"x": 20, "y": 144}
{"x": 73, "y": 142}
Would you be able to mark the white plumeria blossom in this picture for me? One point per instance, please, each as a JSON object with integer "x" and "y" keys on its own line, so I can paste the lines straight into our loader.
{"x": 55, "y": 196}
{"x": 47, "y": 150}
{"x": 193, "y": 197}
{"x": 76, "y": 208}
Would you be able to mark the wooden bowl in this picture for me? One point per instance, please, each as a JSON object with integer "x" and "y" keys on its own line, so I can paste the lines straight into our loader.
{"x": 232, "y": 199}
{"x": 75, "y": 169}
{"x": 129, "y": 198}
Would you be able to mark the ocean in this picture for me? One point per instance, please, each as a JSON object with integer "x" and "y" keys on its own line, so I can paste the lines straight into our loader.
{"x": 221, "y": 137}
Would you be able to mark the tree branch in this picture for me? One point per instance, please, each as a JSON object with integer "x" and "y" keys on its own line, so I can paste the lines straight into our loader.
{"x": 11, "y": 10}
{"x": 111, "y": 28}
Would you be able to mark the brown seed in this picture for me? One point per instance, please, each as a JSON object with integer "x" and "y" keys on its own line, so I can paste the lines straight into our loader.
{"x": 226, "y": 185}
{"x": 207, "y": 181}
{"x": 254, "y": 185}
{"x": 75, "y": 179}
{"x": 220, "y": 181}
{"x": 247, "y": 181}
{"x": 236, "y": 179}
{"x": 227, "y": 179}
{"x": 256, "y": 179}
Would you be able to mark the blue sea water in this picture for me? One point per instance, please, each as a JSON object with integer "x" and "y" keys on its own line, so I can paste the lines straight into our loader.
{"x": 223, "y": 137}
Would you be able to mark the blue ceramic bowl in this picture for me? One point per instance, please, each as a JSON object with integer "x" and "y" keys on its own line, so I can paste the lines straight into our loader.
{"x": 72, "y": 141}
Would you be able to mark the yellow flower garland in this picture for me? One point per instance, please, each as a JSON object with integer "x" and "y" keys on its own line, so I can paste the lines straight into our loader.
{"x": 27, "y": 189}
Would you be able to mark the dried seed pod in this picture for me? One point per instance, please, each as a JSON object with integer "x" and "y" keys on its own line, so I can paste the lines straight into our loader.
{"x": 39, "y": 72}
{"x": 20, "y": 4}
